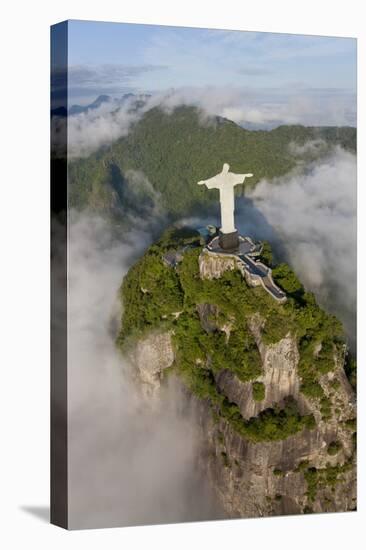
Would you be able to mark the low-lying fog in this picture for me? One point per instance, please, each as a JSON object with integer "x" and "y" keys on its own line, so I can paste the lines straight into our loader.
{"x": 128, "y": 463}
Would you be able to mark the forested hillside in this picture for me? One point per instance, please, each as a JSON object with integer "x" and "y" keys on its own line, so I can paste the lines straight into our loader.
{"x": 176, "y": 150}
{"x": 277, "y": 413}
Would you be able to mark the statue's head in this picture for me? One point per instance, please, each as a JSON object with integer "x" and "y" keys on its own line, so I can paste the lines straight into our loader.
{"x": 226, "y": 167}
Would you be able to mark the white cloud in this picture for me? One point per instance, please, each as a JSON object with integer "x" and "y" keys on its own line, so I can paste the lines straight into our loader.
{"x": 311, "y": 147}
{"x": 129, "y": 463}
{"x": 88, "y": 81}
{"x": 89, "y": 131}
{"x": 311, "y": 215}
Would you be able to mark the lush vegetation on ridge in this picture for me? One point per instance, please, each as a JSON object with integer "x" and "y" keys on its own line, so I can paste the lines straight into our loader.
{"x": 176, "y": 150}
{"x": 259, "y": 391}
{"x": 156, "y": 295}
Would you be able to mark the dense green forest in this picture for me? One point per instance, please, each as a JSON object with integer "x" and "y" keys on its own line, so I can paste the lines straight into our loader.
{"x": 152, "y": 293}
{"x": 176, "y": 150}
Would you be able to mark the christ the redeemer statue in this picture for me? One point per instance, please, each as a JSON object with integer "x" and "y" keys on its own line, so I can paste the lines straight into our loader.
{"x": 225, "y": 181}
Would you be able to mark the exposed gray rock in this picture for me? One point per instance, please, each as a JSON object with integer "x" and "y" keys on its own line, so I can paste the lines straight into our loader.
{"x": 208, "y": 314}
{"x": 248, "y": 485}
{"x": 151, "y": 356}
{"x": 261, "y": 479}
{"x": 213, "y": 266}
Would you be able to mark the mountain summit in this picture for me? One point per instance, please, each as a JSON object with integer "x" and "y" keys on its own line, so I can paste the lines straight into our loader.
{"x": 276, "y": 412}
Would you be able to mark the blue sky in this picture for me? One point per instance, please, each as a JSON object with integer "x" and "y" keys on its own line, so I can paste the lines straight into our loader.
{"x": 114, "y": 58}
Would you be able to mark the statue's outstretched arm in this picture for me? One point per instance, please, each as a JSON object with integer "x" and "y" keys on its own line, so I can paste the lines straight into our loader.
{"x": 211, "y": 183}
{"x": 245, "y": 176}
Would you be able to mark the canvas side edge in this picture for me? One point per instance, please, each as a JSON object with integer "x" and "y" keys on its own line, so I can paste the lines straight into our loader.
{"x": 58, "y": 176}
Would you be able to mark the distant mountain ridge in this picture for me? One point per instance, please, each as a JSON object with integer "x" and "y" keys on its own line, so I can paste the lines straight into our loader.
{"x": 175, "y": 150}
{"x": 76, "y": 109}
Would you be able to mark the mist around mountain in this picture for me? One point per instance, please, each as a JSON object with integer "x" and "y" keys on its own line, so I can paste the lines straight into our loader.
{"x": 175, "y": 149}
{"x": 134, "y": 185}
{"x": 302, "y": 197}
{"x": 102, "y": 99}
{"x": 76, "y": 109}
{"x": 277, "y": 413}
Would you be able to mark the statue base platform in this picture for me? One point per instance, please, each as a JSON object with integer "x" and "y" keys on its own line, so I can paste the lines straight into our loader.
{"x": 229, "y": 241}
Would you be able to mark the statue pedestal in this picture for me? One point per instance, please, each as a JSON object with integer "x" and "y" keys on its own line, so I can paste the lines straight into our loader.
{"x": 229, "y": 241}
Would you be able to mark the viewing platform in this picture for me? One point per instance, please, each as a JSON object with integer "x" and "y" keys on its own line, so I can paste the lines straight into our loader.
{"x": 254, "y": 271}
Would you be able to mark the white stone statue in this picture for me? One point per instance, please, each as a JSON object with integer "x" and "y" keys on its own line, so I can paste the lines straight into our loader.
{"x": 225, "y": 181}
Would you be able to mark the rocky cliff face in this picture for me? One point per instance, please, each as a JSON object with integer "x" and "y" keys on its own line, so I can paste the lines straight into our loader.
{"x": 213, "y": 266}
{"x": 311, "y": 471}
{"x": 258, "y": 479}
{"x": 151, "y": 356}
